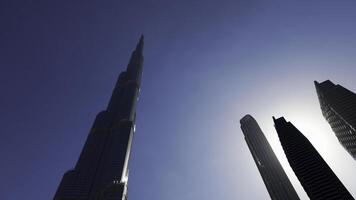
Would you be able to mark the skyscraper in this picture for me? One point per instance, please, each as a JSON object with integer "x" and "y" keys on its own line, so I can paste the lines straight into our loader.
{"x": 101, "y": 172}
{"x": 316, "y": 177}
{"x": 276, "y": 180}
{"x": 338, "y": 106}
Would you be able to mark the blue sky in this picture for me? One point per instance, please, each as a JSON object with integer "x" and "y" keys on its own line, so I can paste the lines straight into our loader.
{"x": 207, "y": 64}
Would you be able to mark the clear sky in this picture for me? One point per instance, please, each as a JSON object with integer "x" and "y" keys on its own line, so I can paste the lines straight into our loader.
{"x": 207, "y": 64}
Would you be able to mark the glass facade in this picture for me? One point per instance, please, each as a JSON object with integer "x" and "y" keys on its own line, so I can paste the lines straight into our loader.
{"x": 276, "y": 180}
{"x": 338, "y": 106}
{"x": 315, "y": 175}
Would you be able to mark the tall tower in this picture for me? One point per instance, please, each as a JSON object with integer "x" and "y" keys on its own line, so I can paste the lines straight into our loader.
{"x": 316, "y": 177}
{"x": 101, "y": 172}
{"x": 338, "y": 106}
{"x": 276, "y": 180}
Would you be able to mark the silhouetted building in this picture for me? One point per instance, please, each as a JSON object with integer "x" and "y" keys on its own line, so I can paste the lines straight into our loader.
{"x": 316, "y": 177}
{"x": 338, "y": 106}
{"x": 276, "y": 180}
{"x": 101, "y": 172}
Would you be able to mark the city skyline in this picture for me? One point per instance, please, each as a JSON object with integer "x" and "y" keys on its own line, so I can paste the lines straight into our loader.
{"x": 208, "y": 64}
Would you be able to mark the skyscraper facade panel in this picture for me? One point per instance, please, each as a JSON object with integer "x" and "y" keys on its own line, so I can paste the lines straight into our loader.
{"x": 101, "y": 172}
{"x": 338, "y": 106}
{"x": 315, "y": 175}
{"x": 276, "y": 180}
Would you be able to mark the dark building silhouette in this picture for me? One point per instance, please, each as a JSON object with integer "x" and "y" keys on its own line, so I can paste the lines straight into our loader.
{"x": 276, "y": 180}
{"x": 316, "y": 177}
{"x": 338, "y": 106}
{"x": 101, "y": 172}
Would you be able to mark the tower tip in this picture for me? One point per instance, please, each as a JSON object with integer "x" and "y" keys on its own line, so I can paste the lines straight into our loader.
{"x": 140, "y": 43}
{"x": 246, "y": 118}
{"x": 278, "y": 120}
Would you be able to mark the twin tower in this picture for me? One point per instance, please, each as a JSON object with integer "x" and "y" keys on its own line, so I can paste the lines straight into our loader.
{"x": 338, "y": 106}
{"x": 101, "y": 172}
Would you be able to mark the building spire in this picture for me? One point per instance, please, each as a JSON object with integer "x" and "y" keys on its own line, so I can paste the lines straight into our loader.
{"x": 137, "y": 56}
{"x": 132, "y": 74}
{"x": 139, "y": 46}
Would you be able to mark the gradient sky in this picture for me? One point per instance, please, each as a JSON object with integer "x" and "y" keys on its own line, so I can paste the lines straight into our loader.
{"x": 207, "y": 64}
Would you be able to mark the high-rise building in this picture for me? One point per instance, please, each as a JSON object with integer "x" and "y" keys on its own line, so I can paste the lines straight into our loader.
{"x": 338, "y": 106}
{"x": 101, "y": 172}
{"x": 276, "y": 180}
{"x": 315, "y": 175}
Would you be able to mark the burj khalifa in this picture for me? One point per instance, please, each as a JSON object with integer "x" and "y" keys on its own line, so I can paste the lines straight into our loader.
{"x": 101, "y": 172}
